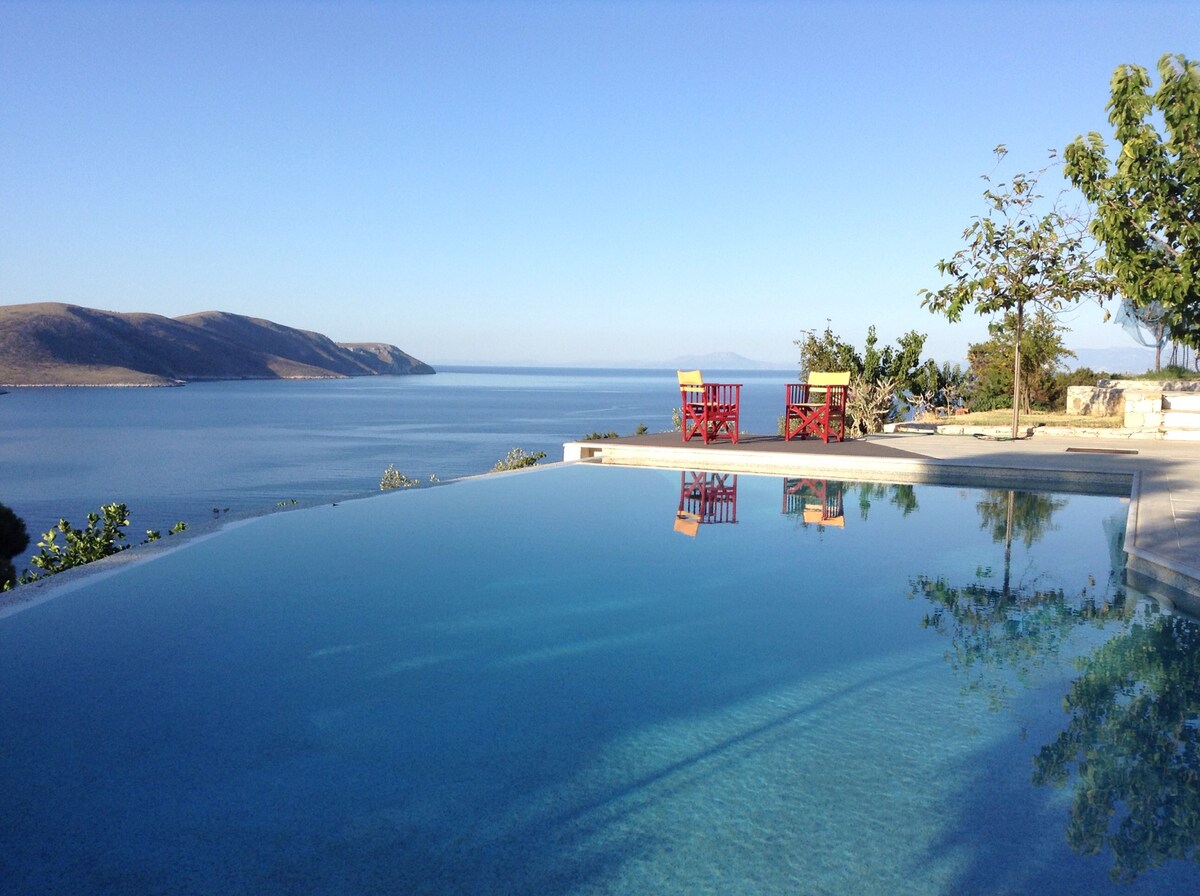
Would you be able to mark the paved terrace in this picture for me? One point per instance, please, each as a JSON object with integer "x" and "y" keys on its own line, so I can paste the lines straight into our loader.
{"x": 1162, "y": 479}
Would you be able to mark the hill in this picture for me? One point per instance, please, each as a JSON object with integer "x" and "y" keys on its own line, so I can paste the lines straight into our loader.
{"x": 54, "y": 344}
{"x": 721, "y": 361}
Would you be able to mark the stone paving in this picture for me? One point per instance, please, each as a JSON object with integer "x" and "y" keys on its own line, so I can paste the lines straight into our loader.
{"x": 1161, "y": 477}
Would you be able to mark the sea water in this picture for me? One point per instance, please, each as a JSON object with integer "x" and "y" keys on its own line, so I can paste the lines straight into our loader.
{"x": 205, "y": 450}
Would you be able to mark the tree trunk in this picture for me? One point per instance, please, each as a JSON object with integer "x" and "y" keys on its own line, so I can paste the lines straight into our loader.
{"x": 1017, "y": 369}
{"x": 1008, "y": 534}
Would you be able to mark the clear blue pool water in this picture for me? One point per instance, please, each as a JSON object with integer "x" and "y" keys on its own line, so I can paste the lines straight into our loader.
{"x": 547, "y": 683}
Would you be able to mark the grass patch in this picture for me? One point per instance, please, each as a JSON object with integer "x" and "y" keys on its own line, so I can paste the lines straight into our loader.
{"x": 1033, "y": 418}
{"x": 1167, "y": 373}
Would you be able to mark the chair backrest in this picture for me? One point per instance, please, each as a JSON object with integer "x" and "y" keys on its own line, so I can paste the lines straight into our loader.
{"x": 690, "y": 378}
{"x": 687, "y": 523}
{"x": 829, "y": 378}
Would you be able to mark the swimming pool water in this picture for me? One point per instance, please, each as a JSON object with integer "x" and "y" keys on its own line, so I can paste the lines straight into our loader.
{"x": 571, "y": 681}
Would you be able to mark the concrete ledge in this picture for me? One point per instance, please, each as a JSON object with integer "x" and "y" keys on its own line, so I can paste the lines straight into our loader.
{"x": 856, "y": 467}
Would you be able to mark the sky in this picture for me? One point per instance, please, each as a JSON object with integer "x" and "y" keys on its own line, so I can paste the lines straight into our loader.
{"x": 583, "y": 183}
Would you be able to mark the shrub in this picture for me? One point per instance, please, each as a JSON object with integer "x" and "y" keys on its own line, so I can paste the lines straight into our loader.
{"x": 393, "y": 478}
{"x": 14, "y": 538}
{"x": 103, "y": 537}
{"x": 516, "y": 459}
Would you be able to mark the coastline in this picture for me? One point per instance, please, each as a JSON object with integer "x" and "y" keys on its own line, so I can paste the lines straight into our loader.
{"x": 215, "y": 379}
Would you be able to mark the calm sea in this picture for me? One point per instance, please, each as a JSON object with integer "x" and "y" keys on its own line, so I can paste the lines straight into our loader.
{"x": 206, "y": 449}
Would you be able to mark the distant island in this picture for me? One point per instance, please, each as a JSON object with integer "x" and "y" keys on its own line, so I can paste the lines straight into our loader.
{"x": 53, "y": 344}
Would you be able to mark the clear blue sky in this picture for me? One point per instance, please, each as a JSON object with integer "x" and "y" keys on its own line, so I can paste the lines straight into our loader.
{"x": 579, "y": 182}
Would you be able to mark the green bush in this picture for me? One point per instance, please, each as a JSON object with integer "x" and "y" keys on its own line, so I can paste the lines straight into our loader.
{"x": 516, "y": 459}
{"x": 393, "y": 478}
{"x": 103, "y": 537}
{"x": 14, "y": 538}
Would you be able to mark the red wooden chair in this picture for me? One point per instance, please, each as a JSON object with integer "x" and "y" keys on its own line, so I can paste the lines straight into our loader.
{"x": 710, "y": 410}
{"x": 817, "y": 407}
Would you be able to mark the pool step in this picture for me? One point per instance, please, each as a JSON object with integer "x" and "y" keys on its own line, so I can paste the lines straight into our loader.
{"x": 1180, "y": 401}
{"x": 1181, "y": 417}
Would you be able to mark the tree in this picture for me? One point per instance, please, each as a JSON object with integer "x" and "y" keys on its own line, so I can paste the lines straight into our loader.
{"x": 14, "y": 538}
{"x": 938, "y": 387}
{"x": 991, "y": 362}
{"x": 1017, "y": 255}
{"x": 1146, "y": 201}
{"x": 877, "y": 376}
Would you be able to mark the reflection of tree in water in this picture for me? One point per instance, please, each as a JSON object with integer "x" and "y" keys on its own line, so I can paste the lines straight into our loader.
{"x": 1009, "y": 513}
{"x": 902, "y": 495}
{"x": 1001, "y": 627}
{"x": 1133, "y": 742}
{"x": 992, "y": 630}
{"x": 1131, "y": 749}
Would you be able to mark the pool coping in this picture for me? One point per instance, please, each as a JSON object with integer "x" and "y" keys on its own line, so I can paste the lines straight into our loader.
{"x": 1162, "y": 541}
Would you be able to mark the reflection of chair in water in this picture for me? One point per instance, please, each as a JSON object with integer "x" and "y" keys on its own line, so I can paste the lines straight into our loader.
{"x": 817, "y": 407}
{"x": 705, "y": 498}
{"x": 710, "y": 410}
{"x": 814, "y": 500}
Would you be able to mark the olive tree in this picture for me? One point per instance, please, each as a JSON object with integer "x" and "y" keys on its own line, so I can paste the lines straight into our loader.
{"x": 1146, "y": 200}
{"x": 1019, "y": 253}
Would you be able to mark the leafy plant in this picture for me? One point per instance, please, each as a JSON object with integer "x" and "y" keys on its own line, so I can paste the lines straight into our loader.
{"x": 516, "y": 459}
{"x": 155, "y": 535}
{"x": 641, "y": 430}
{"x": 393, "y": 478}
{"x": 1018, "y": 254}
{"x": 991, "y": 363}
{"x": 870, "y": 404}
{"x": 103, "y": 536}
{"x": 878, "y": 377}
{"x": 1146, "y": 199}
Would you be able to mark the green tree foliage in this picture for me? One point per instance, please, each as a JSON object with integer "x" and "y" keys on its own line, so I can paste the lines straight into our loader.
{"x": 829, "y": 351}
{"x": 1017, "y": 254}
{"x": 877, "y": 376}
{"x": 14, "y": 539}
{"x": 1146, "y": 200}
{"x": 1042, "y": 354}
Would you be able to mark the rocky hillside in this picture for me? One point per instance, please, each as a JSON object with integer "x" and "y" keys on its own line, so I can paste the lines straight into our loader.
{"x": 66, "y": 345}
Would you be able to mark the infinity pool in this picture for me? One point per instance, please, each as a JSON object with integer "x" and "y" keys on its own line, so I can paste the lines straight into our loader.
{"x": 591, "y": 680}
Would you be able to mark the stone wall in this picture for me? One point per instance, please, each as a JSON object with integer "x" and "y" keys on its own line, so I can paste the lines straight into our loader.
{"x": 1143, "y": 410}
{"x": 1094, "y": 401}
